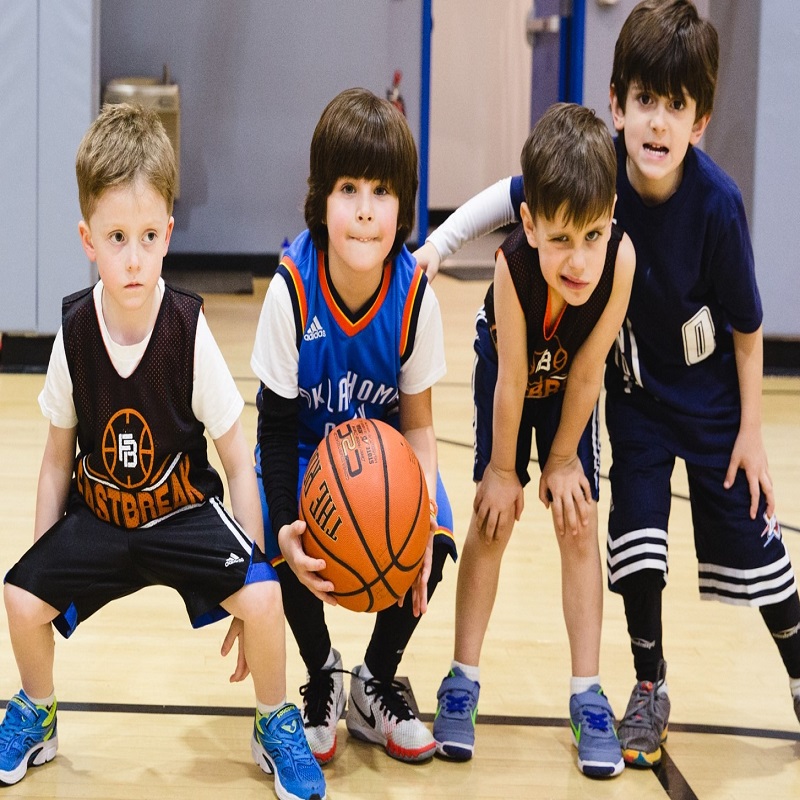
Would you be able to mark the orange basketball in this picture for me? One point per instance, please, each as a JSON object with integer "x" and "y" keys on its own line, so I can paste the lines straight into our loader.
{"x": 365, "y": 503}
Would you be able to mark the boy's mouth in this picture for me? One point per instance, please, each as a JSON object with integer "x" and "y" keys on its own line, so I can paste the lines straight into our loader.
{"x": 658, "y": 149}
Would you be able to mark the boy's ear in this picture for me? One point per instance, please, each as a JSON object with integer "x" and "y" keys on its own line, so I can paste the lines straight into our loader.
{"x": 617, "y": 114}
{"x": 527, "y": 224}
{"x": 699, "y": 128}
{"x": 168, "y": 234}
{"x": 86, "y": 240}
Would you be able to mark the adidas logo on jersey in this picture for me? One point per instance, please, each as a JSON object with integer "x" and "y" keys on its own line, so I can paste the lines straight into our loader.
{"x": 233, "y": 559}
{"x": 315, "y": 331}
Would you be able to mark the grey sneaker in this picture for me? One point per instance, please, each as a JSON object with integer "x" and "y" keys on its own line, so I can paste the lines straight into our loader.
{"x": 323, "y": 705}
{"x": 644, "y": 727}
{"x": 797, "y": 706}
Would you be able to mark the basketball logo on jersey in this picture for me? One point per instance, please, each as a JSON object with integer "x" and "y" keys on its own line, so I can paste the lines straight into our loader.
{"x": 699, "y": 341}
{"x": 128, "y": 448}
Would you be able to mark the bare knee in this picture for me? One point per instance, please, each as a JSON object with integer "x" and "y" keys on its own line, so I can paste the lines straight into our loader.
{"x": 25, "y": 609}
{"x": 260, "y": 600}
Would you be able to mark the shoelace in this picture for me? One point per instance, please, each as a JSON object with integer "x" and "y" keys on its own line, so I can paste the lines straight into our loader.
{"x": 15, "y": 721}
{"x": 597, "y": 720}
{"x": 318, "y": 696}
{"x": 456, "y": 702}
{"x": 391, "y": 697}
{"x": 645, "y": 705}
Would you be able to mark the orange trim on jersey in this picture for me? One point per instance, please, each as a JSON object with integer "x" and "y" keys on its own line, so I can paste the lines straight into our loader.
{"x": 352, "y": 328}
{"x": 299, "y": 289}
{"x": 549, "y": 326}
{"x": 413, "y": 291}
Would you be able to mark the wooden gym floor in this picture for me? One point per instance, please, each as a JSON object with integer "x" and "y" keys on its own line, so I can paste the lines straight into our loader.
{"x": 146, "y": 709}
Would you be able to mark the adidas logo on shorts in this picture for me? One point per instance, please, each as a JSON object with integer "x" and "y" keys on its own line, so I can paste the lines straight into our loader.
{"x": 315, "y": 331}
{"x": 233, "y": 559}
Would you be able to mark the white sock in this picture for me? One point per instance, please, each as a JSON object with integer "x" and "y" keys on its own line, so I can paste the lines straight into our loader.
{"x": 44, "y": 702}
{"x": 266, "y": 710}
{"x": 794, "y": 686}
{"x": 663, "y": 689}
{"x": 583, "y": 684}
{"x": 473, "y": 673}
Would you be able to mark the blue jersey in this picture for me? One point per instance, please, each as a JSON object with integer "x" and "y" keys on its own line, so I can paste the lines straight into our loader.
{"x": 349, "y": 367}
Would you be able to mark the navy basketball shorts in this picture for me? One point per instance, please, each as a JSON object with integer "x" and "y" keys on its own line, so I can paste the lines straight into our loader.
{"x": 444, "y": 517}
{"x": 740, "y": 560}
{"x": 542, "y": 415}
{"x": 83, "y": 563}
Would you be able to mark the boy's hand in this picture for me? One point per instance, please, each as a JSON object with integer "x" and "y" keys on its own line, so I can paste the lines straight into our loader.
{"x": 498, "y": 503}
{"x": 565, "y": 487}
{"x": 305, "y": 567}
{"x": 428, "y": 258}
{"x": 419, "y": 589}
{"x": 749, "y": 454}
{"x": 236, "y": 631}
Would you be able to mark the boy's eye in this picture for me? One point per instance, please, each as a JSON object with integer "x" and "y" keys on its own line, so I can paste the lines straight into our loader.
{"x": 678, "y": 104}
{"x": 348, "y": 188}
{"x": 150, "y": 236}
{"x": 593, "y": 236}
{"x": 118, "y": 237}
{"x": 381, "y": 190}
{"x": 645, "y": 99}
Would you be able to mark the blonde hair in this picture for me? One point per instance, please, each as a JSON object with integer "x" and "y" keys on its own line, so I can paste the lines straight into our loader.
{"x": 123, "y": 144}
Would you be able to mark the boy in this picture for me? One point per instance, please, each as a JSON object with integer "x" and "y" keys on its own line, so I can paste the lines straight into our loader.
{"x": 350, "y": 328}
{"x": 560, "y": 290}
{"x": 134, "y": 378}
{"x": 685, "y": 377}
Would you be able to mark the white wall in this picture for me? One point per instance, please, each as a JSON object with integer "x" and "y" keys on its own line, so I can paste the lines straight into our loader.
{"x": 480, "y": 96}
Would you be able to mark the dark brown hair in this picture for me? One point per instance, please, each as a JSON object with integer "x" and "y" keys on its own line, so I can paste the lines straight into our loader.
{"x": 669, "y": 50}
{"x": 360, "y": 135}
{"x": 124, "y": 143}
{"x": 569, "y": 165}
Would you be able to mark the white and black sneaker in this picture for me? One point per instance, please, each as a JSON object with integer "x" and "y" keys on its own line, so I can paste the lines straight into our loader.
{"x": 379, "y": 713}
{"x": 323, "y": 706}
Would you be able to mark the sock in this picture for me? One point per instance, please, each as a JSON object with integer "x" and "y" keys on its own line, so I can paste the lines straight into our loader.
{"x": 265, "y": 709}
{"x": 44, "y": 702}
{"x": 783, "y": 621}
{"x": 582, "y": 684}
{"x": 473, "y": 673}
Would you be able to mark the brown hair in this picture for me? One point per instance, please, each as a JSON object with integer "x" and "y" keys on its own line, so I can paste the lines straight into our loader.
{"x": 124, "y": 143}
{"x": 666, "y": 47}
{"x": 360, "y": 135}
{"x": 569, "y": 164}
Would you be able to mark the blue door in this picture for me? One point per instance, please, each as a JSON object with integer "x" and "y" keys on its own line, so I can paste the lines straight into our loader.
{"x": 555, "y": 31}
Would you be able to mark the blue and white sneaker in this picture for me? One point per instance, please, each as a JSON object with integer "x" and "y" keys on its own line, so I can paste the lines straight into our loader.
{"x": 28, "y": 737}
{"x": 593, "y": 733}
{"x": 280, "y": 748}
{"x": 456, "y": 712}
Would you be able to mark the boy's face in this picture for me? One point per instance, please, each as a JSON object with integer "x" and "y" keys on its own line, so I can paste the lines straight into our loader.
{"x": 361, "y": 216}
{"x": 571, "y": 257}
{"x": 127, "y": 236}
{"x": 658, "y": 132}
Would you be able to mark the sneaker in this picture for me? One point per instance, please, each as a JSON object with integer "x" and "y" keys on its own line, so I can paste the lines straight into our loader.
{"x": 592, "y": 722}
{"x": 644, "y": 727}
{"x": 280, "y": 748}
{"x": 28, "y": 737}
{"x": 456, "y": 712}
{"x": 796, "y": 700}
{"x": 323, "y": 706}
{"x": 378, "y": 713}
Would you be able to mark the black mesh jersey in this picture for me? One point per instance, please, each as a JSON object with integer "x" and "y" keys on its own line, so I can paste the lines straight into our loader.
{"x": 141, "y": 451}
{"x": 550, "y": 355}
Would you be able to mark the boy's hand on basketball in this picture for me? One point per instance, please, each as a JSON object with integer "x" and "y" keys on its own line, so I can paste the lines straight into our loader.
{"x": 428, "y": 258}
{"x": 565, "y": 489}
{"x": 499, "y": 501}
{"x": 750, "y": 455}
{"x": 236, "y": 631}
{"x": 305, "y": 567}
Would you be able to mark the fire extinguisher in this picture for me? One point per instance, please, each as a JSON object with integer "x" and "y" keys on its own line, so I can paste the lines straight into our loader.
{"x": 393, "y": 93}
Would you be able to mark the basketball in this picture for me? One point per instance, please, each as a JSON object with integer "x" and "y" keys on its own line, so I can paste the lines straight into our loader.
{"x": 365, "y": 503}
